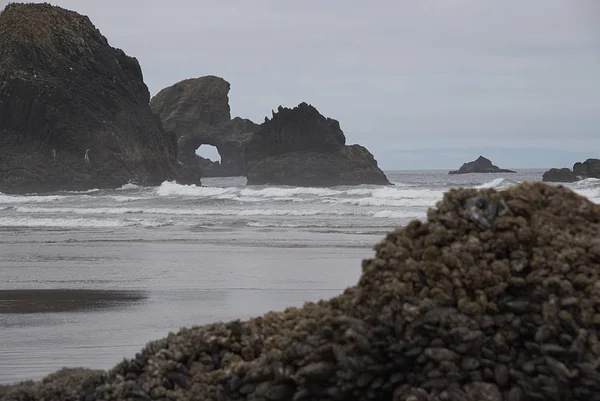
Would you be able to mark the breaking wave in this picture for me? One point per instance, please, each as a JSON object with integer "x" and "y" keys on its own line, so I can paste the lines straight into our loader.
{"x": 12, "y": 199}
{"x": 590, "y": 188}
{"x": 89, "y": 191}
{"x": 232, "y": 205}
{"x": 498, "y": 183}
{"x": 128, "y": 186}
{"x": 387, "y": 196}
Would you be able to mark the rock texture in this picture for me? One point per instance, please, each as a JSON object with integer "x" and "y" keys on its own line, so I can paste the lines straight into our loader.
{"x": 193, "y": 104}
{"x": 588, "y": 169}
{"x": 297, "y": 146}
{"x": 300, "y": 146}
{"x": 230, "y": 138}
{"x": 197, "y": 112}
{"x": 494, "y": 297}
{"x": 64, "y": 90}
{"x": 581, "y": 170}
{"x": 559, "y": 175}
{"x": 480, "y": 165}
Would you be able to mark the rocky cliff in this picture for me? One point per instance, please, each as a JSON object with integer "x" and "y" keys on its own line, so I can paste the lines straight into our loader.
{"x": 480, "y": 165}
{"x": 197, "y": 112}
{"x": 301, "y": 147}
{"x": 297, "y": 146}
{"x": 74, "y": 111}
{"x": 581, "y": 170}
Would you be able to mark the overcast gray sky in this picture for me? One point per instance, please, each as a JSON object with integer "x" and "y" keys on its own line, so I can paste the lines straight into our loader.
{"x": 421, "y": 83}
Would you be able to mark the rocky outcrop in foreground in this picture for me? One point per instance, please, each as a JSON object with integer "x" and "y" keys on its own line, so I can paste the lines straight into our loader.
{"x": 301, "y": 147}
{"x": 480, "y": 165}
{"x": 197, "y": 112}
{"x": 494, "y": 297}
{"x": 74, "y": 111}
{"x": 581, "y": 170}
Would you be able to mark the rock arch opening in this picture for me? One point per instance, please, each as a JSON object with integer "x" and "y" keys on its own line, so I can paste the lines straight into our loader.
{"x": 209, "y": 152}
{"x": 214, "y": 157}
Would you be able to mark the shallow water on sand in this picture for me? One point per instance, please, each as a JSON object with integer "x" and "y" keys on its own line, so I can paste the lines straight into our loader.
{"x": 88, "y": 278}
{"x": 143, "y": 291}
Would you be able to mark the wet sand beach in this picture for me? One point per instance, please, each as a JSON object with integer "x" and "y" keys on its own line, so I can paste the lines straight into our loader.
{"x": 92, "y": 303}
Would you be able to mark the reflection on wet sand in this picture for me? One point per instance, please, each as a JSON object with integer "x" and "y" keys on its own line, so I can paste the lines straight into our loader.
{"x": 65, "y": 300}
{"x": 160, "y": 287}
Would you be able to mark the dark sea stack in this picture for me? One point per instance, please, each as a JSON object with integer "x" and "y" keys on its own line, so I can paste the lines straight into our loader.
{"x": 64, "y": 90}
{"x": 494, "y": 297}
{"x": 480, "y": 165}
{"x": 581, "y": 170}
{"x": 587, "y": 169}
{"x": 301, "y": 147}
{"x": 559, "y": 175}
{"x": 197, "y": 111}
{"x": 301, "y": 128}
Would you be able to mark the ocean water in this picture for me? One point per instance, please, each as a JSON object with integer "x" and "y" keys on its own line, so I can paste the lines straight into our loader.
{"x": 88, "y": 278}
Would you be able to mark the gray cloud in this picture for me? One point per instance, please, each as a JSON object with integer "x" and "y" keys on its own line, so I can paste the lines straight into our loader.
{"x": 397, "y": 74}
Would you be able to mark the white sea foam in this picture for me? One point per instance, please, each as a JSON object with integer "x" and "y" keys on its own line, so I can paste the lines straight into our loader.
{"x": 12, "y": 199}
{"x": 386, "y": 196}
{"x": 498, "y": 183}
{"x": 307, "y": 224}
{"x": 593, "y": 194}
{"x": 190, "y": 205}
{"x": 183, "y": 211}
{"x": 259, "y": 224}
{"x": 170, "y": 188}
{"x": 382, "y": 202}
{"x": 58, "y": 222}
{"x": 70, "y": 222}
{"x": 128, "y": 186}
{"x": 395, "y": 193}
{"x": 589, "y": 187}
{"x": 255, "y": 199}
{"x": 123, "y": 198}
{"x": 91, "y": 210}
{"x": 588, "y": 183}
{"x": 89, "y": 191}
{"x": 288, "y": 192}
{"x": 173, "y": 189}
{"x": 360, "y": 192}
